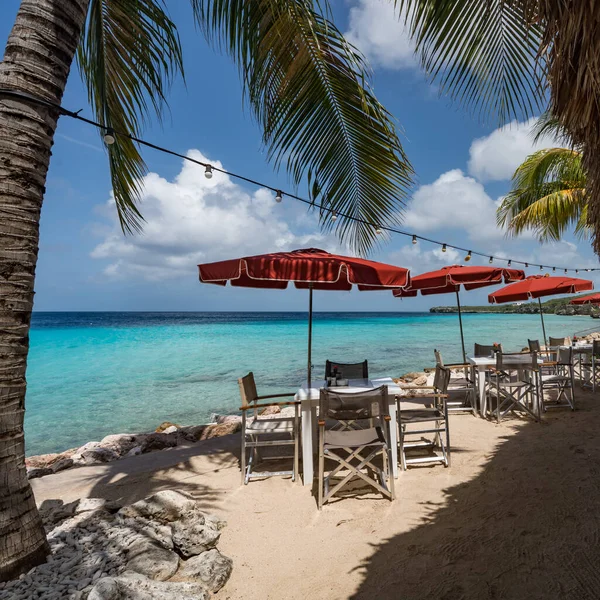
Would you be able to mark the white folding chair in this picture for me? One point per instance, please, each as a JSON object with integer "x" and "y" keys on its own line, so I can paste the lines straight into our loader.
{"x": 560, "y": 381}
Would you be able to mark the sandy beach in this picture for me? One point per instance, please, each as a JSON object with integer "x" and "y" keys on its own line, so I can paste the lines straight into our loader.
{"x": 516, "y": 516}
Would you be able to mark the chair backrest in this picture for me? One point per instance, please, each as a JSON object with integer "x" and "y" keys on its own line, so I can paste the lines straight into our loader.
{"x": 441, "y": 379}
{"x": 534, "y": 345}
{"x": 565, "y": 356}
{"x": 438, "y": 358}
{"x": 354, "y": 406}
{"x": 562, "y": 341}
{"x": 248, "y": 389}
{"x": 501, "y": 365}
{"x": 347, "y": 370}
{"x": 596, "y": 347}
{"x": 485, "y": 351}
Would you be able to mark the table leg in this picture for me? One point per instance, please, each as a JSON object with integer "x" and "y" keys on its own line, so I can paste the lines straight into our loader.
{"x": 394, "y": 435}
{"x": 307, "y": 441}
{"x": 482, "y": 395}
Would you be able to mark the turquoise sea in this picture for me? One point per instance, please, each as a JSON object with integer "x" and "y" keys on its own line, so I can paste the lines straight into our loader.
{"x": 91, "y": 374}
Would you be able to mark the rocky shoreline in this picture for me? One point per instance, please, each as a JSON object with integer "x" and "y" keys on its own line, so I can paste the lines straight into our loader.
{"x": 116, "y": 446}
{"x": 161, "y": 547}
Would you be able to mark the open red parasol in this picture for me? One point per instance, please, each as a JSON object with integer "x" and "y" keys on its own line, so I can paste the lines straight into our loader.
{"x": 311, "y": 269}
{"x": 449, "y": 279}
{"x": 539, "y": 286}
{"x": 593, "y": 299}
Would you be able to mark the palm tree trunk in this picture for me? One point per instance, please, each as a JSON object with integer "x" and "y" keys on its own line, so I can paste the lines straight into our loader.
{"x": 37, "y": 60}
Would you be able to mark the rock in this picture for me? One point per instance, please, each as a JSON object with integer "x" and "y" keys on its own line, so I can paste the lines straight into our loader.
{"x": 165, "y": 507}
{"x": 171, "y": 429}
{"x": 135, "y": 451}
{"x": 152, "y": 560}
{"x": 87, "y": 504}
{"x": 165, "y": 425}
{"x": 35, "y": 472}
{"x": 131, "y": 586}
{"x": 42, "y": 460}
{"x": 421, "y": 380}
{"x": 119, "y": 443}
{"x": 98, "y": 455}
{"x": 61, "y": 464}
{"x": 270, "y": 410}
{"x": 158, "y": 441}
{"x": 213, "y": 430}
{"x": 193, "y": 534}
{"x": 210, "y": 568}
{"x": 219, "y": 419}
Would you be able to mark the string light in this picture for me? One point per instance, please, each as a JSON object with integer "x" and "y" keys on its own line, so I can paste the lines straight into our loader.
{"x": 554, "y": 269}
{"x": 565, "y": 271}
{"x": 110, "y": 137}
{"x": 491, "y": 259}
{"x": 541, "y": 267}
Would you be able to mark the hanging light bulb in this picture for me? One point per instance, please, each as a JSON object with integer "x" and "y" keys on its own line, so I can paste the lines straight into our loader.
{"x": 378, "y": 230}
{"x": 468, "y": 256}
{"x": 208, "y": 172}
{"x": 576, "y": 270}
{"x": 414, "y": 240}
{"x": 333, "y": 215}
{"x": 554, "y": 269}
{"x": 509, "y": 263}
{"x": 109, "y": 136}
{"x": 565, "y": 271}
{"x": 541, "y": 267}
{"x": 491, "y": 259}
{"x": 444, "y": 248}
{"x": 526, "y": 265}
{"x": 278, "y": 196}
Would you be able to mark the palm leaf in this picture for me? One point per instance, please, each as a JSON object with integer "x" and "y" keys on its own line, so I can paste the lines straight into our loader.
{"x": 309, "y": 90}
{"x": 548, "y": 196}
{"x": 482, "y": 52}
{"x": 128, "y": 55}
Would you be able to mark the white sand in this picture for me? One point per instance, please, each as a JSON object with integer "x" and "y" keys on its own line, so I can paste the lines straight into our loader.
{"x": 516, "y": 516}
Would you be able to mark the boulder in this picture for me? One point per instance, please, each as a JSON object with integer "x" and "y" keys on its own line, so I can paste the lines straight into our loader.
{"x": 97, "y": 455}
{"x": 135, "y": 451}
{"x": 220, "y": 419}
{"x": 270, "y": 410}
{"x": 119, "y": 443}
{"x": 42, "y": 460}
{"x": 193, "y": 534}
{"x": 152, "y": 560}
{"x": 35, "y": 472}
{"x": 165, "y": 507}
{"x": 132, "y": 586}
{"x": 219, "y": 430}
{"x": 61, "y": 464}
{"x": 210, "y": 568}
{"x": 171, "y": 429}
{"x": 157, "y": 441}
{"x": 87, "y": 504}
{"x": 166, "y": 425}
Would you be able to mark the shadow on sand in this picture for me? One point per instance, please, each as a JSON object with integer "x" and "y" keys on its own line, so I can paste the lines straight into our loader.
{"x": 526, "y": 527}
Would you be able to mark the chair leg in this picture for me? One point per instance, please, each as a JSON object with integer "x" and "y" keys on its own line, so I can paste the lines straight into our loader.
{"x": 321, "y": 470}
{"x": 296, "y": 444}
{"x": 243, "y": 452}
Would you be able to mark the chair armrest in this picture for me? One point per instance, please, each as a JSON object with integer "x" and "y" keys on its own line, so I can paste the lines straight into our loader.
{"x": 549, "y": 363}
{"x": 265, "y": 404}
{"x": 425, "y": 396}
{"x": 416, "y": 387}
{"x": 287, "y": 395}
{"x": 459, "y": 366}
{"x": 321, "y": 423}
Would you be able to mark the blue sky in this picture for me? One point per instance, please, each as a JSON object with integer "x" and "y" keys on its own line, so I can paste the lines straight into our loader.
{"x": 85, "y": 263}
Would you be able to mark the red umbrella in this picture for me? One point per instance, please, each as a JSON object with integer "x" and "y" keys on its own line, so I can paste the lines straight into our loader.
{"x": 310, "y": 269}
{"x": 593, "y": 299}
{"x": 449, "y": 279}
{"x": 539, "y": 286}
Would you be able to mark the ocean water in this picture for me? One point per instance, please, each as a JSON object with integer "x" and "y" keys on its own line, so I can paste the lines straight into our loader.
{"x": 92, "y": 374}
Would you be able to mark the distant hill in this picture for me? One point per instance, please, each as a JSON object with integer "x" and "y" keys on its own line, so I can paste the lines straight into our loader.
{"x": 557, "y": 306}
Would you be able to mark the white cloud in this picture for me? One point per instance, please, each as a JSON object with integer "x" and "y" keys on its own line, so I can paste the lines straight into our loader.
{"x": 496, "y": 156}
{"x": 192, "y": 220}
{"x": 377, "y": 30}
{"x": 419, "y": 260}
{"x": 454, "y": 201}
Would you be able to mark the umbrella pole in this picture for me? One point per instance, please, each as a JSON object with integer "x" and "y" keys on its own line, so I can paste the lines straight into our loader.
{"x": 310, "y": 318}
{"x": 543, "y": 326}
{"x": 462, "y": 337}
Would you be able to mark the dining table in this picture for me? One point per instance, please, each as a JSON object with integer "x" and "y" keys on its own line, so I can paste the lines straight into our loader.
{"x": 309, "y": 401}
{"x": 481, "y": 364}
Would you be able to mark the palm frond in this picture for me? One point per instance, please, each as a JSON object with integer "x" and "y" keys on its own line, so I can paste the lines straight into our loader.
{"x": 549, "y": 125}
{"x": 548, "y": 196}
{"x": 309, "y": 89}
{"x": 484, "y": 53}
{"x": 128, "y": 55}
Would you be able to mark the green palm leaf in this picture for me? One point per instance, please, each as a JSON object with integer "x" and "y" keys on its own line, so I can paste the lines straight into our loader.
{"x": 482, "y": 52}
{"x": 309, "y": 90}
{"x": 128, "y": 55}
{"x": 548, "y": 196}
